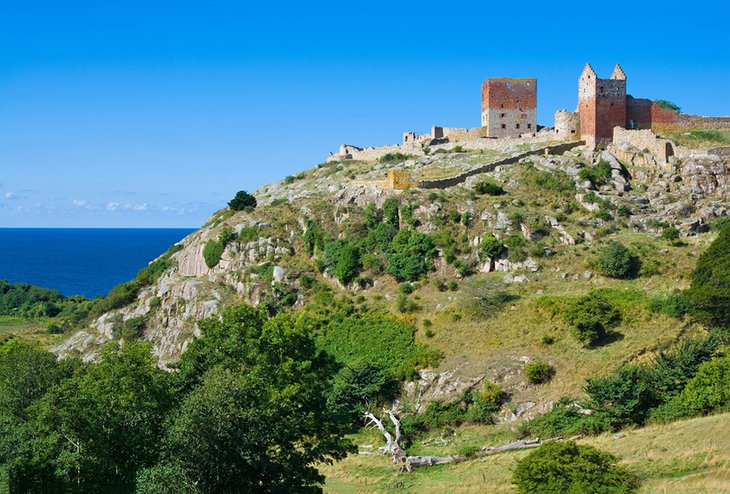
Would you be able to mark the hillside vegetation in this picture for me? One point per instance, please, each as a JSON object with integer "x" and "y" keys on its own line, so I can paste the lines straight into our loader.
{"x": 562, "y": 295}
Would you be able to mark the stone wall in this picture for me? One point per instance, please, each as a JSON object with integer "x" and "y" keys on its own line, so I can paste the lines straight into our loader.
{"x": 567, "y": 125}
{"x": 509, "y": 106}
{"x": 399, "y": 179}
{"x": 626, "y": 143}
{"x": 457, "y": 179}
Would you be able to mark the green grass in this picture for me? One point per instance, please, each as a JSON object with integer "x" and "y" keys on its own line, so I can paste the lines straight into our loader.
{"x": 700, "y": 138}
{"x": 686, "y": 457}
{"x": 28, "y": 329}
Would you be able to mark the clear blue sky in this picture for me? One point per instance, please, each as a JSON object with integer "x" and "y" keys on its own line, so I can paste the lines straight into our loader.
{"x": 154, "y": 113}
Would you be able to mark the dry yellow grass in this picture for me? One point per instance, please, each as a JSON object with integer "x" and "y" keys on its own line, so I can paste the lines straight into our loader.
{"x": 686, "y": 457}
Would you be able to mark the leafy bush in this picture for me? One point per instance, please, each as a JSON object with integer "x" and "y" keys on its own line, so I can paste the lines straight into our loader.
{"x": 539, "y": 372}
{"x": 553, "y": 180}
{"x": 515, "y": 248}
{"x": 567, "y": 417}
{"x": 673, "y": 305}
{"x": 405, "y": 304}
{"x": 709, "y": 389}
{"x": 214, "y": 249}
{"x": 394, "y": 158}
{"x": 598, "y": 174}
{"x": 363, "y": 387}
{"x": 667, "y": 105}
{"x": 625, "y": 397}
{"x": 567, "y": 467}
{"x": 670, "y": 233}
{"x": 471, "y": 407}
{"x": 591, "y": 317}
{"x": 616, "y": 261}
{"x": 491, "y": 247}
{"x": 489, "y": 188}
{"x": 709, "y": 295}
{"x": 242, "y": 201}
{"x": 624, "y": 210}
{"x": 411, "y": 255}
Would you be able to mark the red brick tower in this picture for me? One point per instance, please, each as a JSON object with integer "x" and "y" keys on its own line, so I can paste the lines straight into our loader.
{"x": 601, "y": 105}
{"x": 509, "y": 106}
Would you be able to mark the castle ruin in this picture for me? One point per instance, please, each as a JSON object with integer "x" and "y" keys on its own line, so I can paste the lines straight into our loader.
{"x": 509, "y": 106}
{"x": 508, "y": 117}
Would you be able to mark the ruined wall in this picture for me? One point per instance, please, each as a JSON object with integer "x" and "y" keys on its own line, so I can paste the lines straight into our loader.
{"x": 399, "y": 179}
{"x": 601, "y": 105}
{"x": 509, "y": 106}
{"x": 647, "y": 114}
{"x": 567, "y": 125}
{"x": 628, "y": 142}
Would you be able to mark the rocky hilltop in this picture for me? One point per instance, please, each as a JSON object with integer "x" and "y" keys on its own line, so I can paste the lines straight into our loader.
{"x": 549, "y": 213}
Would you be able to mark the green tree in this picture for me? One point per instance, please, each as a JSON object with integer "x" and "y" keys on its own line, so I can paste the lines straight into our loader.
{"x": 616, "y": 261}
{"x": 257, "y": 418}
{"x": 242, "y": 200}
{"x": 709, "y": 389}
{"x": 570, "y": 468}
{"x": 591, "y": 317}
{"x": 492, "y": 247}
{"x": 709, "y": 295}
{"x": 411, "y": 255}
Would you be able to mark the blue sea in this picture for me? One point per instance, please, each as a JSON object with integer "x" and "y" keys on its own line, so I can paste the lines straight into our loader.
{"x": 79, "y": 261}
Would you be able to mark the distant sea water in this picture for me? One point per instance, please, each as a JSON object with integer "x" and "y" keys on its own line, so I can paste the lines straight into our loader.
{"x": 80, "y": 261}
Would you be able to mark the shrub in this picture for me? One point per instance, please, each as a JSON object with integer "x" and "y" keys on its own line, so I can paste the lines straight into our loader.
{"x": 598, "y": 174}
{"x": 242, "y": 200}
{"x": 406, "y": 288}
{"x": 492, "y": 247}
{"x": 547, "y": 339}
{"x": 394, "y": 158}
{"x": 489, "y": 188}
{"x": 363, "y": 387}
{"x": 538, "y": 372}
{"x": 668, "y": 105}
{"x": 591, "y": 317}
{"x": 673, "y": 305}
{"x": 709, "y": 389}
{"x": 515, "y": 248}
{"x": 405, "y": 305}
{"x": 411, "y": 255}
{"x": 625, "y": 397}
{"x": 567, "y": 467}
{"x": 452, "y": 285}
{"x": 624, "y": 210}
{"x": 214, "y": 249}
{"x": 709, "y": 295}
{"x": 670, "y": 233}
{"x": 565, "y": 418}
{"x": 616, "y": 261}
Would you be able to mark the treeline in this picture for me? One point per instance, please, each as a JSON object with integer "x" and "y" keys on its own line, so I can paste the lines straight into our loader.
{"x": 252, "y": 405}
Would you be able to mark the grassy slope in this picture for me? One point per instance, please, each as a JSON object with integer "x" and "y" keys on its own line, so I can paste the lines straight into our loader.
{"x": 34, "y": 330}
{"x": 687, "y": 457}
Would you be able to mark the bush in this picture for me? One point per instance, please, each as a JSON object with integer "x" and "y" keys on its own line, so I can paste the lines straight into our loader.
{"x": 616, "y": 261}
{"x": 411, "y": 255}
{"x": 668, "y": 105}
{"x": 539, "y": 372}
{"x": 489, "y": 188}
{"x": 515, "y": 248}
{"x": 591, "y": 317}
{"x": 624, "y": 211}
{"x": 670, "y": 233}
{"x": 242, "y": 200}
{"x": 491, "y": 247}
{"x": 394, "y": 158}
{"x": 709, "y": 295}
{"x": 404, "y": 304}
{"x": 565, "y": 418}
{"x": 567, "y": 467}
{"x": 709, "y": 389}
{"x": 214, "y": 249}
{"x": 547, "y": 339}
{"x": 625, "y": 397}
{"x": 598, "y": 174}
{"x": 673, "y": 305}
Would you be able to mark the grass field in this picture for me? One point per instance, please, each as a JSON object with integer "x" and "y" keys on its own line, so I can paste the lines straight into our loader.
{"x": 686, "y": 457}
{"x": 35, "y": 330}
{"x": 699, "y": 138}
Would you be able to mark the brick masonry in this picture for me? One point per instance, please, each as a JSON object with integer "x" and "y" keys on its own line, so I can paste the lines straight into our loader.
{"x": 509, "y": 106}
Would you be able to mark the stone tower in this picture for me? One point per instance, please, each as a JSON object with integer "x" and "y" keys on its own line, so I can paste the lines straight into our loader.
{"x": 601, "y": 105}
{"x": 508, "y": 106}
